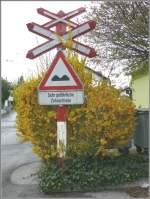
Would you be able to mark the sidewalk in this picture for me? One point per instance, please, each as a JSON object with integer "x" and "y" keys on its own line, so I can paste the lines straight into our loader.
{"x": 5, "y": 111}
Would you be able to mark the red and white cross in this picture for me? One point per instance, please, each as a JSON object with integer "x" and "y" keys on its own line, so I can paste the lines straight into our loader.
{"x": 55, "y": 39}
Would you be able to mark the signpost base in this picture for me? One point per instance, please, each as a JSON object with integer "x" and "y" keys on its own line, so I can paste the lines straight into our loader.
{"x": 60, "y": 162}
{"x": 61, "y": 134}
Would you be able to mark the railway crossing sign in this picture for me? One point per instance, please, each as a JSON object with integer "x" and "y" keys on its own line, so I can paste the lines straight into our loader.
{"x": 53, "y": 37}
{"x": 61, "y": 85}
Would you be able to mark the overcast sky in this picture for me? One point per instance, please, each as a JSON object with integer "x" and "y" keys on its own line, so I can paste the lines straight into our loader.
{"x": 17, "y": 40}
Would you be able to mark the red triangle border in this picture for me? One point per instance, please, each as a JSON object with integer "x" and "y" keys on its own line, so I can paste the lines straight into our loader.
{"x": 79, "y": 85}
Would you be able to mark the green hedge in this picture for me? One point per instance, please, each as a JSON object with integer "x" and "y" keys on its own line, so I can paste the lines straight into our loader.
{"x": 88, "y": 174}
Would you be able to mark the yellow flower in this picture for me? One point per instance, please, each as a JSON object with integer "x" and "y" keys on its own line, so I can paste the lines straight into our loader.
{"x": 103, "y": 141}
{"x": 46, "y": 156}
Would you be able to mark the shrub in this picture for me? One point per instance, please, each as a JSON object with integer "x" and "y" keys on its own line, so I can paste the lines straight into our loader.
{"x": 82, "y": 174}
{"x": 106, "y": 119}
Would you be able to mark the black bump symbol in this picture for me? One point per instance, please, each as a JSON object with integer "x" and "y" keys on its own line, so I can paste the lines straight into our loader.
{"x": 63, "y": 78}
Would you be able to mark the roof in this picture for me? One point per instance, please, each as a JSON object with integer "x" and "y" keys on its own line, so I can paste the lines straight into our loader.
{"x": 98, "y": 73}
{"x": 126, "y": 88}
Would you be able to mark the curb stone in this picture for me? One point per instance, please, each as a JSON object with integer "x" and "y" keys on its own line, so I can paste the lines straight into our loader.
{"x": 26, "y": 174}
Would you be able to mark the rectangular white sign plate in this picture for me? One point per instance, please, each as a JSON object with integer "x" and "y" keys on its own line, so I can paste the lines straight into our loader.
{"x": 60, "y": 97}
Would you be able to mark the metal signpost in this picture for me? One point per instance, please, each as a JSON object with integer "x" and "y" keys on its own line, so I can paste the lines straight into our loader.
{"x": 61, "y": 85}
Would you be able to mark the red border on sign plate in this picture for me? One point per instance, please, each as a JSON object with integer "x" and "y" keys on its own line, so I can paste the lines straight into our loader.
{"x": 30, "y": 55}
{"x": 78, "y": 85}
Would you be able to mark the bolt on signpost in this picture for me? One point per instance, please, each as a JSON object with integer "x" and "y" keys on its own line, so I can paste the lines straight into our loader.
{"x": 61, "y": 85}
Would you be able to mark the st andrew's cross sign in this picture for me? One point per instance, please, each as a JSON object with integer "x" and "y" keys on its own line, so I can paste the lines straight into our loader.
{"x": 53, "y": 40}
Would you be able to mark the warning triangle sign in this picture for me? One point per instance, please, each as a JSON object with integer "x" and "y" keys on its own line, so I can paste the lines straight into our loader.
{"x": 60, "y": 76}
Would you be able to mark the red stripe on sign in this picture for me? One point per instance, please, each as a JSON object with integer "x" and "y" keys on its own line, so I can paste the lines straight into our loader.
{"x": 61, "y": 113}
{"x": 31, "y": 27}
{"x": 31, "y": 55}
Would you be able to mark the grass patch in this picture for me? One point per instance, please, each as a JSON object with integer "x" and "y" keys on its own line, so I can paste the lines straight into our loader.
{"x": 138, "y": 192}
{"x": 88, "y": 174}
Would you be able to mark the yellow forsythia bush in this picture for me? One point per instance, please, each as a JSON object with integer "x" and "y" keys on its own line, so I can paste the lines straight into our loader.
{"x": 106, "y": 120}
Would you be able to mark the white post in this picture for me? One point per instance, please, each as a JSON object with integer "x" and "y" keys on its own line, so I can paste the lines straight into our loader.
{"x": 61, "y": 138}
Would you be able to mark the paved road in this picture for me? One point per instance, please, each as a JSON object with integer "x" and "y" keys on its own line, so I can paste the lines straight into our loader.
{"x": 14, "y": 155}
